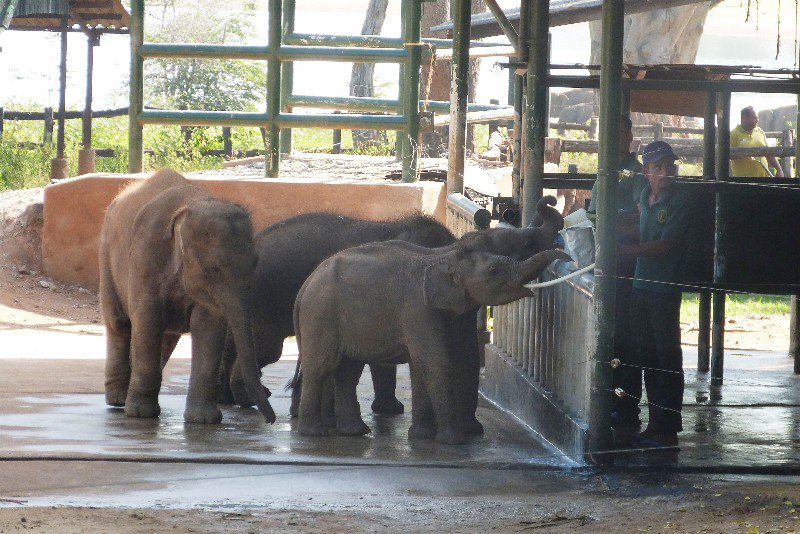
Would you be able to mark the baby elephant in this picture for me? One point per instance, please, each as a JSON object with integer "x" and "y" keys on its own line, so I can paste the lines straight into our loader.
{"x": 175, "y": 260}
{"x": 393, "y": 302}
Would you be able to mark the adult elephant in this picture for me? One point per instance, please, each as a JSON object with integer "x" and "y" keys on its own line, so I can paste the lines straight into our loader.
{"x": 288, "y": 252}
{"x": 392, "y": 302}
{"x": 462, "y": 335}
{"x": 175, "y": 260}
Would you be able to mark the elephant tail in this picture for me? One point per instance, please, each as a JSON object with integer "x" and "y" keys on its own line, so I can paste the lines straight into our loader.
{"x": 296, "y": 380}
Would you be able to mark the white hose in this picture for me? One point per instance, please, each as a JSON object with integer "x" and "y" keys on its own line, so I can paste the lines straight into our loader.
{"x": 537, "y": 285}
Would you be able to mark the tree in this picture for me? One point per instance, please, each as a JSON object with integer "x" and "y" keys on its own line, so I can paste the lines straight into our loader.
{"x": 670, "y": 35}
{"x": 235, "y": 85}
{"x": 361, "y": 79}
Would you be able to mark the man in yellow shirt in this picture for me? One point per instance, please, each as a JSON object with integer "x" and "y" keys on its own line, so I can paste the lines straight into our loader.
{"x": 749, "y": 135}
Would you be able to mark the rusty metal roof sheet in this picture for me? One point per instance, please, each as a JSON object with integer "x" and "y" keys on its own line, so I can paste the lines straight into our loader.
{"x": 83, "y": 14}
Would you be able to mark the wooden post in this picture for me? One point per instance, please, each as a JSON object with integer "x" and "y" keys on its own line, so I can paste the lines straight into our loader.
{"x": 459, "y": 88}
{"x": 519, "y": 105}
{"x": 287, "y": 76}
{"x": 337, "y": 139}
{"x": 787, "y": 139}
{"x": 2, "y": 118}
{"x": 658, "y": 131}
{"x": 794, "y": 334}
{"x": 493, "y": 125}
{"x": 599, "y": 417}
{"x": 49, "y": 123}
{"x": 86, "y": 154}
{"x": 593, "y": 127}
{"x": 720, "y": 236}
{"x": 227, "y": 145}
{"x": 62, "y": 89}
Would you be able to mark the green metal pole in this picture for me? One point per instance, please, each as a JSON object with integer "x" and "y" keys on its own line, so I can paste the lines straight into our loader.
{"x": 287, "y": 75}
{"x": 794, "y": 316}
{"x": 459, "y": 87}
{"x": 135, "y": 139}
{"x": 605, "y": 271}
{"x": 709, "y": 170}
{"x": 537, "y": 114}
{"x": 274, "y": 89}
{"x": 720, "y": 236}
{"x": 519, "y": 104}
{"x": 412, "y": 15}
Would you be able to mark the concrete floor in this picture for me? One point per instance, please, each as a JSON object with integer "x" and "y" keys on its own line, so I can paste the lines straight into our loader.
{"x": 60, "y": 443}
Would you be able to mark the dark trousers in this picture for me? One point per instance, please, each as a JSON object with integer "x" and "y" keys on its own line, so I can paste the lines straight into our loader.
{"x": 625, "y": 410}
{"x": 655, "y": 321}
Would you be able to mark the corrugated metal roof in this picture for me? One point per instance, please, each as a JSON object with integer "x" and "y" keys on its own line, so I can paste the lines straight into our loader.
{"x": 83, "y": 14}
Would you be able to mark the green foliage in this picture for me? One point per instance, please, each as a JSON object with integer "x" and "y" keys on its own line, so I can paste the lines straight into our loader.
{"x": 233, "y": 85}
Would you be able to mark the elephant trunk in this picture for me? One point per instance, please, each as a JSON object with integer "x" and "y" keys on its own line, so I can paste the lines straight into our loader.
{"x": 242, "y": 330}
{"x": 531, "y": 268}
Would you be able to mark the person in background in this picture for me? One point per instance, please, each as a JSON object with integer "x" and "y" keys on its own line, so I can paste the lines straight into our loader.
{"x": 749, "y": 135}
{"x": 664, "y": 225}
{"x": 625, "y": 410}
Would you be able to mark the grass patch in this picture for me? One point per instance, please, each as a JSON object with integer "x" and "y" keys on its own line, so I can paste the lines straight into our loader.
{"x": 738, "y": 305}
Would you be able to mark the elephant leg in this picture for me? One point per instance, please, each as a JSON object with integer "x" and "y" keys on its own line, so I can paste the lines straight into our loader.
{"x": 463, "y": 347}
{"x": 320, "y": 360}
{"x": 168, "y": 344}
{"x": 224, "y": 391}
{"x": 208, "y": 340}
{"x": 423, "y": 421}
{"x": 297, "y": 390}
{"x": 118, "y": 366}
{"x": 147, "y": 334}
{"x": 348, "y": 411}
{"x": 268, "y": 347}
{"x": 118, "y": 341}
{"x": 384, "y": 382}
{"x": 431, "y": 361}
{"x": 329, "y": 402}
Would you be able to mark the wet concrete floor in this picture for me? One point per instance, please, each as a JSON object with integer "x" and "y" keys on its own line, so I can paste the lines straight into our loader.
{"x": 60, "y": 443}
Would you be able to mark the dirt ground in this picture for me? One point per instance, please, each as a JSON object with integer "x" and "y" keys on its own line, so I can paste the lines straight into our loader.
{"x": 595, "y": 503}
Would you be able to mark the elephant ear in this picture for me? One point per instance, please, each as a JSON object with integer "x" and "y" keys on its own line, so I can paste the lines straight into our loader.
{"x": 441, "y": 290}
{"x": 174, "y": 235}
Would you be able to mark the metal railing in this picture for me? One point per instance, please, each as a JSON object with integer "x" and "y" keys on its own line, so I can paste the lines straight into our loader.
{"x": 549, "y": 336}
{"x": 463, "y": 215}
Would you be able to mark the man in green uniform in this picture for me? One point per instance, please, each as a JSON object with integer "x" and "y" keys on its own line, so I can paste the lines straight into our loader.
{"x": 664, "y": 223}
{"x": 625, "y": 410}
{"x": 749, "y": 135}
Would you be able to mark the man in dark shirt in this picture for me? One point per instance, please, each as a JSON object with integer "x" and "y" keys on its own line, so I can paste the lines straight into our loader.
{"x": 664, "y": 225}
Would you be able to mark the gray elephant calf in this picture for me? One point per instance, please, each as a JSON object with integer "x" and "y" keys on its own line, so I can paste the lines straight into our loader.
{"x": 392, "y": 302}
{"x": 175, "y": 260}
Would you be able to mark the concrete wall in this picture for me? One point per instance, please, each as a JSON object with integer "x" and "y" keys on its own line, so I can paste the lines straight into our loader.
{"x": 74, "y": 210}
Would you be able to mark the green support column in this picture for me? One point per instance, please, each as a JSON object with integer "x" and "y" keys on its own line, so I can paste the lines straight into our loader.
{"x": 720, "y": 236}
{"x": 459, "y": 87}
{"x": 607, "y": 174}
{"x": 274, "y": 89}
{"x": 794, "y": 317}
{"x": 62, "y": 88}
{"x": 709, "y": 170}
{"x": 412, "y": 15}
{"x": 287, "y": 74}
{"x": 135, "y": 141}
{"x": 537, "y": 114}
{"x": 519, "y": 104}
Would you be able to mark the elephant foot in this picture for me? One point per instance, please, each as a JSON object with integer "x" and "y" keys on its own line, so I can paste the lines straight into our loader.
{"x": 329, "y": 419}
{"x": 116, "y": 397}
{"x": 224, "y": 394}
{"x": 142, "y": 407}
{"x": 294, "y": 409}
{"x": 473, "y": 427}
{"x": 204, "y": 415}
{"x": 421, "y": 432}
{"x": 355, "y": 427}
{"x": 315, "y": 429}
{"x": 451, "y": 437}
{"x": 390, "y": 406}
